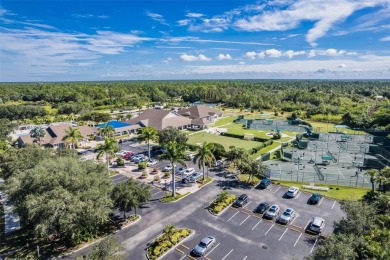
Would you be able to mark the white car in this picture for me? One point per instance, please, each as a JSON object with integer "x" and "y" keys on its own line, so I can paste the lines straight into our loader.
{"x": 189, "y": 171}
{"x": 272, "y": 212}
{"x": 168, "y": 168}
{"x": 286, "y": 216}
{"x": 121, "y": 153}
{"x": 317, "y": 225}
{"x": 292, "y": 192}
{"x": 152, "y": 162}
{"x": 181, "y": 170}
{"x": 218, "y": 163}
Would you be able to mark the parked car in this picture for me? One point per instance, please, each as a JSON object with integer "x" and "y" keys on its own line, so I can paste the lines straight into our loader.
{"x": 205, "y": 244}
{"x": 167, "y": 168}
{"x": 152, "y": 162}
{"x": 241, "y": 201}
{"x": 218, "y": 163}
{"x": 315, "y": 198}
{"x": 272, "y": 212}
{"x": 128, "y": 155}
{"x": 121, "y": 153}
{"x": 317, "y": 225}
{"x": 193, "y": 177}
{"x": 180, "y": 170}
{"x": 292, "y": 192}
{"x": 264, "y": 183}
{"x": 286, "y": 216}
{"x": 262, "y": 208}
{"x": 189, "y": 171}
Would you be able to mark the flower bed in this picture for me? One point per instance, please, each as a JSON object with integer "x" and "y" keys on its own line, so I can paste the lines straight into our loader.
{"x": 166, "y": 241}
{"x": 223, "y": 200}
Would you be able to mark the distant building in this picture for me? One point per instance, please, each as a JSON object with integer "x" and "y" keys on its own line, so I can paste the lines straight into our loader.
{"x": 201, "y": 116}
{"x": 55, "y": 134}
{"x": 160, "y": 119}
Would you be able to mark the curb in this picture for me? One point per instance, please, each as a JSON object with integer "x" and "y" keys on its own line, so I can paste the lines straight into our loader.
{"x": 98, "y": 240}
{"x": 188, "y": 193}
{"x": 228, "y": 206}
{"x": 173, "y": 248}
{"x": 204, "y": 185}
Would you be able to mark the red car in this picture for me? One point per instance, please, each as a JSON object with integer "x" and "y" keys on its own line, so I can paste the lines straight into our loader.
{"x": 128, "y": 155}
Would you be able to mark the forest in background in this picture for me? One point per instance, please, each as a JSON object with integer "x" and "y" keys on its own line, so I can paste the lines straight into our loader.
{"x": 352, "y": 102}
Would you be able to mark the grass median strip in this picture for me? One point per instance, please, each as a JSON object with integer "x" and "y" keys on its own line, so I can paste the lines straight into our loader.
{"x": 169, "y": 198}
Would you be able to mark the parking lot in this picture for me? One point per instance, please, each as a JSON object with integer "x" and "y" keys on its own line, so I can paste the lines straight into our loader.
{"x": 242, "y": 234}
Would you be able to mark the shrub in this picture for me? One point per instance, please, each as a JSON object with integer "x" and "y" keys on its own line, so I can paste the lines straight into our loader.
{"x": 223, "y": 200}
{"x": 142, "y": 165}
{"x": 167, "y": 174}
{"x": 120, "y": 162}
{"x": 156, "y": 178}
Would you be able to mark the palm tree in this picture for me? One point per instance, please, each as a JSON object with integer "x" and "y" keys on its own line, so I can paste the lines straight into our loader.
{"x": 147, "y": 134}
{"x": 129, "y": 116}
{"x": 72, "y": 137}
{"x": 38, "y": 133}
{"x": 120, "y": 117}
{"x": 107, "y": 131}
{"x": 109, "y": 148}
{"x": 204, "y": 156}
{"x": 174, "y": 152}
{"x": 373, "y": 177}
{"x": 252, "y": 168}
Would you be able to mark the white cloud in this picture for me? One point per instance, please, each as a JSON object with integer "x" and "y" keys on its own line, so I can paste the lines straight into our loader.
{"x": 200, "y": 57}
{"x": 311, "y": 54}
{"x": 241, "y": 63}
{"x": 291, "y": 53}
{"x": 183, "y": 22}
{"x": 342, "y": 65}
{"x": 250, "y": 55}
{"x": 224, "y": 56}
{"x": 157, "y": 17}
{"x": 324, "y": 13}
{"x": 194, "y": 15}
{"x": 167, "y": 60}
{"x": 273, "y": 53}
{"x": 89, "y": 16}
{"x": 385, "y": 39}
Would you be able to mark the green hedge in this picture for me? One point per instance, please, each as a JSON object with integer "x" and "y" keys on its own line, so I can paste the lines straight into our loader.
{"x": 223, "y": 200}
{"x": 166, "y": 241}
{"x": 265, "y": 144}
{"x": 257, "y": 139}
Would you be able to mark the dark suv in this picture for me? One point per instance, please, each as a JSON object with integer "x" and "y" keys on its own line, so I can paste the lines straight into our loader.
{"x": 264, "y": 183}
{"x": 243, "y": 199}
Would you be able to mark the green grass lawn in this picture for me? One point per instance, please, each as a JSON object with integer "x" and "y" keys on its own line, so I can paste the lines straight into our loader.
{"x": 335, "y": 192}
{"x": 264, "y": 150}
{"x": 225, "y": 120}
{"x": 329, "y": 127}
{"x": 223, "y": 140}
{"x": 50, "y": 110}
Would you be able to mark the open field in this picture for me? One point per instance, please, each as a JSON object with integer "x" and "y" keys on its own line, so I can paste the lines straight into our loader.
{"x": 223, "y": 140}
{"x": 265, "y": 150}
{"x": 322, "y": 127}
{"x": 224, "y": 121}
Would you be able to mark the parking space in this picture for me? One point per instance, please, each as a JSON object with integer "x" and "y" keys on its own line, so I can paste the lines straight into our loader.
{"x": 118, "y": 178}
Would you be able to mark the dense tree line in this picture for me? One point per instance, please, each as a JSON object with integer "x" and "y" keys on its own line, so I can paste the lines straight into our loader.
{"x": 326, "y": 98}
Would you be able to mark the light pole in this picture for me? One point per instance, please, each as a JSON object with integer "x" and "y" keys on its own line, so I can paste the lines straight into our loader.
{"x": 315, "y": 153}
{"x": 338, "y": 156}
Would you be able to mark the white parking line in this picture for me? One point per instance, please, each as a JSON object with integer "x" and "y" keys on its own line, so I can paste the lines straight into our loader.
{"x": 244, "y": 220}
{"x": 269, "y": 229}
{"x": 334, "y": 203}
{"x": 299, "y": 193}
{"x": 277, "y": 189}
{"x": 184, "y": 256}
{"x": 247, "y": 204}
{"x": 306, "y": 225}
{"x": 321, "y": 201}
{"x": 294, "y": 219}
{"x": 315, "y": 243}
{"x": 297, "y": 239}
{"x": 211, "y": 250}
{"x": 257, "y": 224}
{"x": 341, "y": 174}
{"x": 283, "y": 234}
{"x": 227, "y": 254}
{"x": 157, "y": 193}
{"x": 245, "y": 257}
{"x": 233, "y": 216}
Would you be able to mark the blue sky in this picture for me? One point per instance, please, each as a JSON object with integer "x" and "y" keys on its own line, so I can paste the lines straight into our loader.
{"x": 185, "y": 39}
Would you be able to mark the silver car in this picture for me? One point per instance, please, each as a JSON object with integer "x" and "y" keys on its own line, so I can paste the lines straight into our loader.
{"x": 317, "y": 225}
{"x": 205, "y": 244}
{"x": 286, "y": 216}
{"x": 272, "y": 212}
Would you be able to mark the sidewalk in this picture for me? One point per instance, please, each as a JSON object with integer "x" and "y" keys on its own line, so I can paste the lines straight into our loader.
{"x": 11, "y": 218}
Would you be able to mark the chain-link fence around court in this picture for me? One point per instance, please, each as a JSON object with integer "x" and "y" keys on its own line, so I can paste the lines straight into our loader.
{"x": 357, "y": 180}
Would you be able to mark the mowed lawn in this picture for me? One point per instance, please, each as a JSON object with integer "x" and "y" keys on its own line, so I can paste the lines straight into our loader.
{"x": 223, "y": 140}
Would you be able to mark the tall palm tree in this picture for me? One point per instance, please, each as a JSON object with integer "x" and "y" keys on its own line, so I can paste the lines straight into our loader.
{"x": 129, "y": 116}
{"x": 204, "y": 156}
{"x": 373, "y": 177}
{"x": 107, "y": 131}
{"x": 38, "y": 133}
{"x": 109, "y": 148}
{"x": 72, "y": 137}
{"x": 147, "y": 134}
{"x": 120, "y": 117}
{"x": 174, "y": 152}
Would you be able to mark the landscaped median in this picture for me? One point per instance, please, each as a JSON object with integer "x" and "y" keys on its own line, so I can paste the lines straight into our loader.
{"x": 170, "y": 237}
{"x": 168, "y": 197}
{"x": 223, "y": 201}
{"x": 206, "y": 181}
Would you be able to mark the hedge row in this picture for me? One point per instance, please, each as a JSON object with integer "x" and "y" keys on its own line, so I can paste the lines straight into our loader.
{"x": 265, "y": 144}
{"x": 258, "y": 139}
